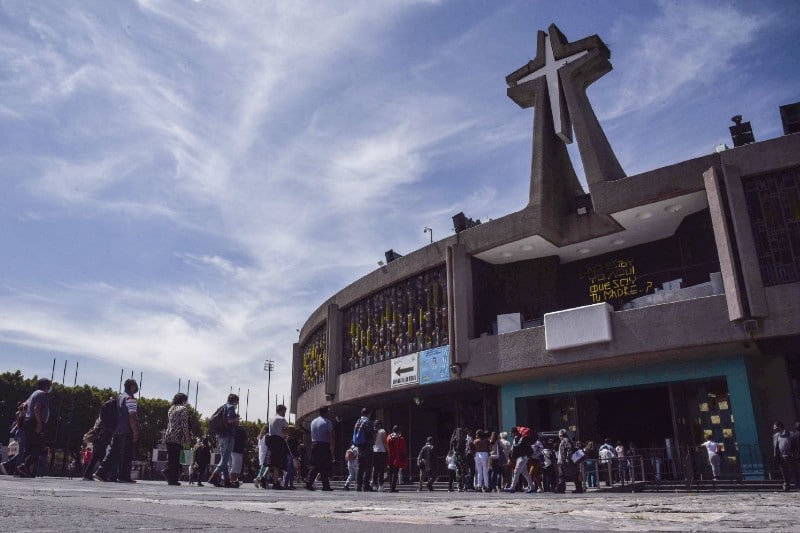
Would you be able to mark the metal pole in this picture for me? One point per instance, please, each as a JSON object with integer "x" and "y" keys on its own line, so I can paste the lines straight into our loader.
{"x": 64, "y": 375}
{"x": 269, "y": 366}
{"x": 52, "y": 372}
{"x": 188, "y": 386}
{"x": 71, "y": 411}
{"x": 247, "y": 405}
{"x": 141, "y": 374}
{"x": 196, "y": 389}
{"x": 121, "y": 372}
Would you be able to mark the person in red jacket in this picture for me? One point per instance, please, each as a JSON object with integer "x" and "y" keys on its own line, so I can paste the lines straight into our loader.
{"x": 397, "y": 456}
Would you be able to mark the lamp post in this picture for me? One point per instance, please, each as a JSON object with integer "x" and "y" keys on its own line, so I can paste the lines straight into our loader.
{"x": 426, "y": 229}
{"x": 269, "y": 366}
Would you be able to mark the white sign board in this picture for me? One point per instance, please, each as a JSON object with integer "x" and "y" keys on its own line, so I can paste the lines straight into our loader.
{"x": 405, "y": 371}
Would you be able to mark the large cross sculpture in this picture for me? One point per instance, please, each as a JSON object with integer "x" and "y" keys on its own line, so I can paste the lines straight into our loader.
{"x": 555, "y": 83}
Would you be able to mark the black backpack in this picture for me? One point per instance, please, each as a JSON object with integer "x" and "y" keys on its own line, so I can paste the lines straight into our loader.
{"x": 217, "y": 423}
{"x": 109, "y": 414}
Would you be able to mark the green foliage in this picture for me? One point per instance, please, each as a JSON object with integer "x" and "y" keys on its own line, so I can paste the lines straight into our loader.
{"x": 73, "y": 411}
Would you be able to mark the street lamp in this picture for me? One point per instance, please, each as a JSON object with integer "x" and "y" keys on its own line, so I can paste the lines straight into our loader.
{"x": 426, "y": 229}
{"x": 269, "y": 366}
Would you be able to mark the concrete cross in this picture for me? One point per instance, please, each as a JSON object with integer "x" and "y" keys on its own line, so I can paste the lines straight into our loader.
{"x": 563, "y": 128}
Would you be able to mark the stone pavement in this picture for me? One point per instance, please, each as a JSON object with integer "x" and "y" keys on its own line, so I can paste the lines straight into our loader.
{"x": 57, "y": 504}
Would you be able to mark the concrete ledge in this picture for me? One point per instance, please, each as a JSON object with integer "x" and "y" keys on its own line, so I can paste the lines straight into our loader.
{"x": 580, "y": 326}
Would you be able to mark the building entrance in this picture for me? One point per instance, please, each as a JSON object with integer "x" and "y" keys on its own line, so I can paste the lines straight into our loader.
{"x": 685, "y": 412}
{"x": 640, "y": 415}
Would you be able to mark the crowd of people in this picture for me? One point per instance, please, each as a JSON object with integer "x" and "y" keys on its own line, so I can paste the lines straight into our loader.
{"x": 480, "y": 460}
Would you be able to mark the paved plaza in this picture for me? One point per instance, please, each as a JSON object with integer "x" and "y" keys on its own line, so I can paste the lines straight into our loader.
{"x": 56, "y": 504}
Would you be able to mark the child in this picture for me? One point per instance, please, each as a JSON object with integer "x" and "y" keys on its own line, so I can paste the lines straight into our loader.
{"x": 351, "y": 456}
{"x": 263, "y": 458}
{"x": 451, "y": 469}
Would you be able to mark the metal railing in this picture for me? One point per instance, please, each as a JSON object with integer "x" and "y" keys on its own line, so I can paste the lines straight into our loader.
{"x": 687, "y": 464}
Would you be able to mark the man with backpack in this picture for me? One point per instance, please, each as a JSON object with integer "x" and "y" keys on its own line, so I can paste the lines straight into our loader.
{"x": 34, "y": 427}
{"x": 222, "y": 423}
{"x": 124, "y": 439}
{"x": 363, "y": 439}
{"x": 101, "y": 435}
{"x": 521, "y": 450}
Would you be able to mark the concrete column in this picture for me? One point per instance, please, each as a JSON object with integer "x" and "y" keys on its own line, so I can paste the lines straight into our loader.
{"x": 333, "y": 347}
{"x": 745, "y": 242}
{"x": 297, "y": 372}
{"x": 459, "y": 306}
{"x": 717, "y": 204}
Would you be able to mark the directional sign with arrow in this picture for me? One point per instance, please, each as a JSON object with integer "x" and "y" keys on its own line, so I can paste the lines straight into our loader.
{"x": 405, "y": 371}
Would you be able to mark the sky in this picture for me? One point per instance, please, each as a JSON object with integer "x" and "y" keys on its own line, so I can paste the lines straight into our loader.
{"x": 182, "y": 183}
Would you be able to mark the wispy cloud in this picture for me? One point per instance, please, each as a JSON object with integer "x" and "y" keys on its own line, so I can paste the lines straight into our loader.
{"x": 246, "y": 160}
{"x": 686, "y": 45}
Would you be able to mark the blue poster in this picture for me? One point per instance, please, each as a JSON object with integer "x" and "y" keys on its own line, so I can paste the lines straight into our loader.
{"x": 434, "y": 365}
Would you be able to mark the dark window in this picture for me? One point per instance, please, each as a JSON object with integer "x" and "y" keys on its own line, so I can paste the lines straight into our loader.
{"x": 773, "y": 202}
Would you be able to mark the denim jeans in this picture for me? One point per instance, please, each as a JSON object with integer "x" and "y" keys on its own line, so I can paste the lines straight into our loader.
{"x": 225, "y": 451}
{"x": 352, "y": 474}
{"x": 119, "y": 458}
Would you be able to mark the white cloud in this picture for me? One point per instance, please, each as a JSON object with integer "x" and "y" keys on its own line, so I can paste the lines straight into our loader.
{"x": 687, "y": 44}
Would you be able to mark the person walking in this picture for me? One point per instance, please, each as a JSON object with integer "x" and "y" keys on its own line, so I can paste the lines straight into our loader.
{"x": 450, "y": 461}
{"x": 202, "y": 458}
{"x": 784, "y": 455}
{"x": 237, "y": 454}
{"x": 398, "y": 458}
{"x": 17, "y": 433}
{"x": 425, "y": 464}
{"x": 278, "y": 449}
{"x": 607, "y": 455}
{"x": 713, "y": 456}
{"x": 321, "y": 450}
{"x": 263, "y": 458}
{"x": 567, "y": 470}
{"x": 102, "y": 432}
{"x": 379, "y": 456}
{"x": 481, "y": 447}
{"x": 351, "y": 457}
{"x": 363, "y": 438}
{"x": 521, "y": 449}
{"x": 125, "y": 438}
{"x": 497, "y": 463}
{"x": 224, "y": 432}
{"x": 176, "y": 437}
{"x": 33, "y": 428}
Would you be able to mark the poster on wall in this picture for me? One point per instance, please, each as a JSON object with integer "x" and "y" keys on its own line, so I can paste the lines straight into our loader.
{"x": 404, "y": 371}
{"x": 434, "y": 365}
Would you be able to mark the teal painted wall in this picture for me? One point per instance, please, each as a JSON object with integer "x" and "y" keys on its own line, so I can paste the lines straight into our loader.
{"x": 733, "y": 369}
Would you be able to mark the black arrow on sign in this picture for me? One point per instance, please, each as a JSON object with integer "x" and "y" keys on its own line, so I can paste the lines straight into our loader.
{"x": 400, "y": 370}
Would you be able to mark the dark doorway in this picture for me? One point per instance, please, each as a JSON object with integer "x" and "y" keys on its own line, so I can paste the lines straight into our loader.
{"x": 639, "y": 415}
{"x": 642, "y": 416}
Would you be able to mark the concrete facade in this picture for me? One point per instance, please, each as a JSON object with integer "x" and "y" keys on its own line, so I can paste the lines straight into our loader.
{"x": 540, "y": 260}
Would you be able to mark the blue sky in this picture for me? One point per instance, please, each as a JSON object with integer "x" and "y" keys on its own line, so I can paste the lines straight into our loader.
{"x": 184, "y": 182}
